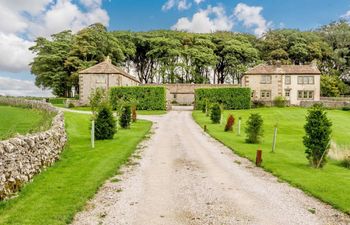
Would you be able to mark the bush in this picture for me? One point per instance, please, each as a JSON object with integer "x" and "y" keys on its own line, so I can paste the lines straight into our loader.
{"x": 104, "y": 124}
{"x": 125, "y": 117}
{"x": 280, "y": 102}
{"x": 318, "y": 136}
{"x": 57, "y": 101}
{"x": 346, "y": 162}
{"x": 71, "y": 105}
{"x": 215, "y": 114}
{"x": 148, "y": 98}
{"x": 229, "y": 124}
{"x": 231, "y": 98}
{"x": 258, "y": 104}
{"x": 346, "y": 108}
{"x": 254, "y": 128}
{"x": 97, "y": 98}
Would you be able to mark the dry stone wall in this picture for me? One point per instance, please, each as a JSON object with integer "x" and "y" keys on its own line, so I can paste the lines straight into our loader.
{"x": 24, "y": 156}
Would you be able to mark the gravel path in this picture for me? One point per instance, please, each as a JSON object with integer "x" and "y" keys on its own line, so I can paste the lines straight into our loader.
{"x": 182, "y": 176}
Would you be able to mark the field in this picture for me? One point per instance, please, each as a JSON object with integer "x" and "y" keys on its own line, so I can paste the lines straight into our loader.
{"x": 20, "y": 120}
{"x": 330, "y": 184}
{"x": 58, "y": 193}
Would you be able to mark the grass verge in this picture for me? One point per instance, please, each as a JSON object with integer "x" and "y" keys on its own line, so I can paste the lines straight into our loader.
{"x": 58, "y": 193}
{"x": 330, "y": 184}
{"x": 15, "y": 120}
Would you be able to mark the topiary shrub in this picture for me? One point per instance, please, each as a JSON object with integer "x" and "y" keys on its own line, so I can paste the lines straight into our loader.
{"x": 254, "y": 128}
{"x": 280, "y": 102}
{"x": 215, "y": 114}
{"x": 125, "y": 117}
{"x": 346, "y": 162}
{"x": 71, "y": 105}
{"x": 229, "y": 124}
{"x": 318, "y": 136}
{"x": 346, "y": 108}
{"x": 104, "y": 124}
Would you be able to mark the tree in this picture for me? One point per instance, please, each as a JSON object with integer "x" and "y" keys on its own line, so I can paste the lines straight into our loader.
{"x": 125, "y": 117}
{"x": 254, "y": 128}
{"x": 105, "y": 123}
{"x": 97, "y": 98}
{"x": 318, "y": 136}
{"x": 215, "y": 114}
{"x": 49, "y": 67}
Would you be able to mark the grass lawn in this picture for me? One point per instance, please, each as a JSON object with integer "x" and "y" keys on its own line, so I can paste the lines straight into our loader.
{"x": 20, "y": 120}
{"x": 58, "y": 193}
{"x": 330, "y": 184}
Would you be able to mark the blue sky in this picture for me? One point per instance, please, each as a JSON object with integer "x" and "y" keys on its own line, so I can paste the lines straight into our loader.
{"x": 30, "y": 19}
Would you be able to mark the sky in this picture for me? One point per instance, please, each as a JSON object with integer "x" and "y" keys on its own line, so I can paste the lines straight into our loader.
{"x": 22, "y": 21}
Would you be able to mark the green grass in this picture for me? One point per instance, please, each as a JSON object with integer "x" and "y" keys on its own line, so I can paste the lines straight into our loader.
{"x": 330, "y": 184}
{"x": 58, "y": 193}
{"x": 21, "y": 120}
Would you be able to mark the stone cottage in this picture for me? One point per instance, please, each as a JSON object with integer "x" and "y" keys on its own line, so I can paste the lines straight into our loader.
{"x": 104, "y": 75}
{"x": 294, "y": 82}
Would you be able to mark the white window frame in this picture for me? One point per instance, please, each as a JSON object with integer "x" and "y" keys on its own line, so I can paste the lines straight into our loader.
{"x": 266, "y": 79}
{"x": 306, "y": 80}
{"x": 306, "y": 95}
{"x": 265, "y": 94}
{"x": 288, "y": 80}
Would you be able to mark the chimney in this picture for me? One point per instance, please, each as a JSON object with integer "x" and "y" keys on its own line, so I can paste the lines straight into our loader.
{"x": 278, "y": 63}
{"x": 108, "y": 59}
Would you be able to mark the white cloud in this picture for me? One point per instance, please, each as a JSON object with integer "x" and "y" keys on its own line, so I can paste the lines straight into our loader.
{"x": 14, "y": 53}
{"x": 179, "y": 4}
{"x": 346, "y": 15}
{"x": 205, "y": 21}
{"x": 22, "y": 88}
{"x": 198, "y": 1}
{"x": 251, "y": 18}
{"x": 30, "y": 19}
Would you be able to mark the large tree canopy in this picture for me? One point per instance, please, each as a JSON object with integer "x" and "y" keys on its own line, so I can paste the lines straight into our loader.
{"x": 164, "y": 56}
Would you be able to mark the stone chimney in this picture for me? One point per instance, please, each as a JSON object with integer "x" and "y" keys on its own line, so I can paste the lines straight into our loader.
{"x": 108, "y": 59}
{"x": 278, "y": 64}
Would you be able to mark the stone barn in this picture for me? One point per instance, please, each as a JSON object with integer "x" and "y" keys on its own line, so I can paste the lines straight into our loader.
{"x": 104, "y": 75}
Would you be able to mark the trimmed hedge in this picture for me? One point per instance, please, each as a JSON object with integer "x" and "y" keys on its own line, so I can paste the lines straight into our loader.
{"x": 148, "y": 98}
{"x": 231, "y": 98}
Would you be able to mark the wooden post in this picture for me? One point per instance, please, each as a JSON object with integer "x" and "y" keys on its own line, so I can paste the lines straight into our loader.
{"x": 239, "y": 127}
{"x": 274, "y": 139}
{"x": 258, "y": 160}
{"x": 93, "y": 134}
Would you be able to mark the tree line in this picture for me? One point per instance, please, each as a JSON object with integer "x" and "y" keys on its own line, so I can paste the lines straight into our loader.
{"x": 165, "y": 56}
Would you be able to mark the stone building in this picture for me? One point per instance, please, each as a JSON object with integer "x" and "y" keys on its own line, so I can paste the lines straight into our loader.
{"x": 294, "y": 82}
{"x": 104, "y": 75}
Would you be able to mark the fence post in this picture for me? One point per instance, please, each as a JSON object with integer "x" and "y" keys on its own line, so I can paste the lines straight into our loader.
{"x": 274, "y": 139}
{"x": 258, "y": 159}
{"x": 93, "y": 134}
{"x": 239, "y": 126}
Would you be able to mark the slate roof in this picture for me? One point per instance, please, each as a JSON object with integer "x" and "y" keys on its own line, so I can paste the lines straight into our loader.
{"x": 283, "y": 69}
{"x": 106, "y": 67}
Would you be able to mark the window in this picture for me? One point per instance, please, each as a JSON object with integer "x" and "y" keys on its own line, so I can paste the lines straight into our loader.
{"x": 287, "y": 92}
{"x": 265, "y": 79}
{"x": 306, "y": 95}
{"x": 265, "y": 94}
{"x": 306, "y": 80}
{"x": 287, "y": 80}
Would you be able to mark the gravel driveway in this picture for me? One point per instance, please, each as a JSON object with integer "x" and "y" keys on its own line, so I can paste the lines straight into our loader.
{"x": 182, "y": 176}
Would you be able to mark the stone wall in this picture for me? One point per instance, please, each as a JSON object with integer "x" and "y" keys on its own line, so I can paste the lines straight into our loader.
{"x": 326, "y": 103}
{"x": 24, "y": 156}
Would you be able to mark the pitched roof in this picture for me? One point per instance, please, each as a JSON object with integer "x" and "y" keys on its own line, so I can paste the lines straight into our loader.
{"x": 283, "y": 69}
{"x": 106, "y": 67}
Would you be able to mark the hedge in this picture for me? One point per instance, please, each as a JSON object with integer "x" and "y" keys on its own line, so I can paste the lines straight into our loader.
{"x": 231, "y": 98}
{"x": 148, "y": 98}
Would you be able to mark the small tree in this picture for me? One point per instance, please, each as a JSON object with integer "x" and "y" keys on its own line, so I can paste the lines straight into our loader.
{"x": 254, "y": 128}
{"x": 125, "y": 117}
{"x": 318, "y": 135}
{"x": 229, "y": 124}
{"x": 133, "y": 113}
{"x": 105, "y": 123}
{"x": 97, "y": 98}
{"x": 215, "y": 114}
